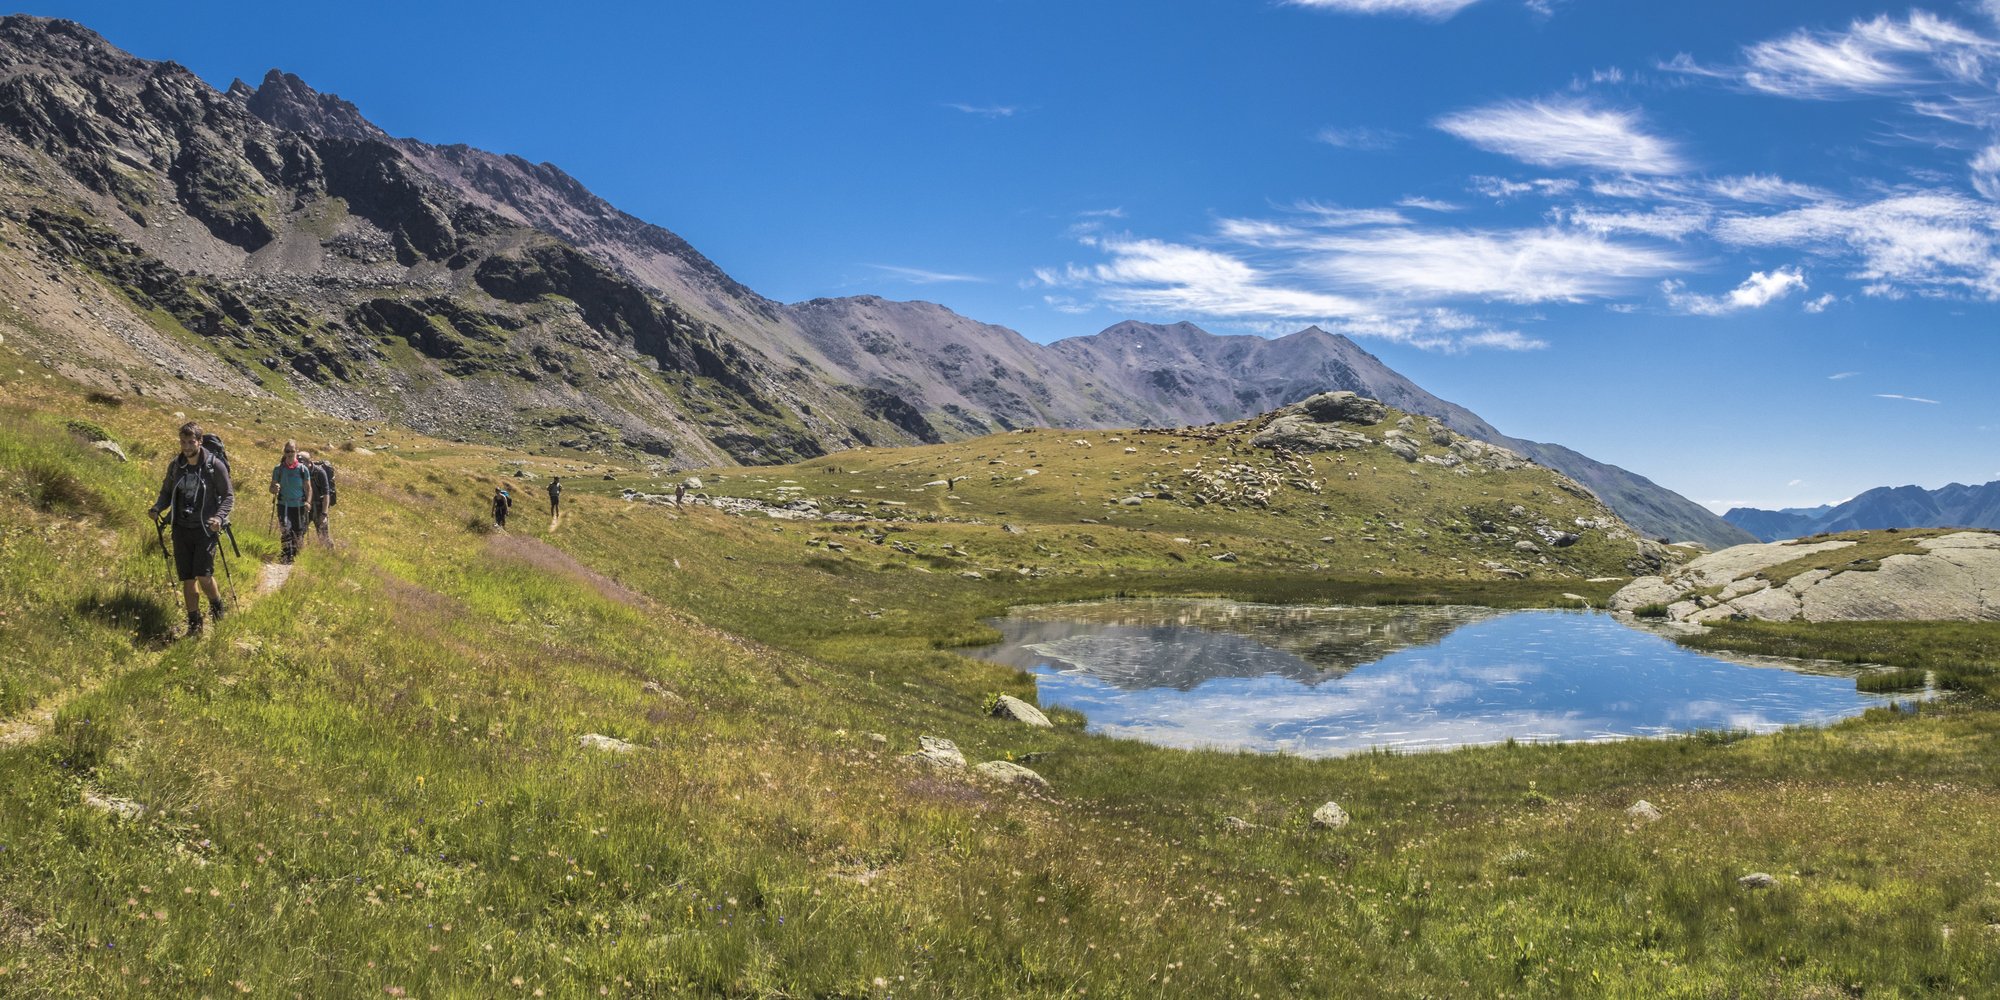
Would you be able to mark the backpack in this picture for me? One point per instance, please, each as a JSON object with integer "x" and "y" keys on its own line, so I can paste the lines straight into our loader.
{"x": 213, "y": 442}
{"x": 332, "y": 487}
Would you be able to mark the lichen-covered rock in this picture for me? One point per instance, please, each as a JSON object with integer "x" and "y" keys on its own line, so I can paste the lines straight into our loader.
{"x": 1642, "y": 812}
{"x": 1010, "y": 707}
{"x": 938, "y": 752}
{"x": 1329, "y": 817}
{"x": 1011, "y": 773}
{"x": 1344, "y": 408}
{"x": 608, "y": 744}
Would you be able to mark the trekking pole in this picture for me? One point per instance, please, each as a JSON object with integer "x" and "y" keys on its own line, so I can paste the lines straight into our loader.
{"x": 230, "y": 530}
{"x": 160, "y": 532}
{"x": 227, "y": 574}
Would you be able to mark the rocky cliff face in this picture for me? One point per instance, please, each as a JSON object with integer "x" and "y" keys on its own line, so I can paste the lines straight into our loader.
{"x": 270, "y": 239}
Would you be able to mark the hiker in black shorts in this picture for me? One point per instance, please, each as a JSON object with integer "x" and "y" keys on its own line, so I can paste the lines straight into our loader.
{"x": 555, "y": 497}
{"x": 197, "y": 497}
{"x": 502, "y": 502}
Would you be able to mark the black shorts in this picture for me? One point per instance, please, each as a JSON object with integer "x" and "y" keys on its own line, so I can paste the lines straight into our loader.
{"x": 194, "y": 554}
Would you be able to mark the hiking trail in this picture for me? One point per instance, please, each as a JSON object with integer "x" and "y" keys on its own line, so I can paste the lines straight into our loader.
{"x": 34, "y": 723}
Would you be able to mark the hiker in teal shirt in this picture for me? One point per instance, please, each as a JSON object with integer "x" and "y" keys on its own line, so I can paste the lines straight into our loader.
{"x": 291, "y": 483}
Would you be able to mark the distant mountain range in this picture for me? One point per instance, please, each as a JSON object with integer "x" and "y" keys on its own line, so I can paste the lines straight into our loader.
{"x": 270, "y": 240}
{"x": 1952, "y": 506}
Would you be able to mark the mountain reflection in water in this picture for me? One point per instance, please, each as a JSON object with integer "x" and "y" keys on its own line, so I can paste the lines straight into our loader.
{"x": 1324, "y": 681}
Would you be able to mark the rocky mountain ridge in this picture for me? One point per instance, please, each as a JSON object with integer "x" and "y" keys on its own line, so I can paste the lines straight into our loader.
{"x": 270, "y": 239}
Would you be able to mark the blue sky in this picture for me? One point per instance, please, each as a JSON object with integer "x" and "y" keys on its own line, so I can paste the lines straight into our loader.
{"x": 1751, "y": 250}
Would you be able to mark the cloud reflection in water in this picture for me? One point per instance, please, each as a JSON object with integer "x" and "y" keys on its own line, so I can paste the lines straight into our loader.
{"x": 1327, "y": 681}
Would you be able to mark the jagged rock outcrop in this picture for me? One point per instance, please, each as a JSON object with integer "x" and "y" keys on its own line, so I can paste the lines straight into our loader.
{"x": 1947, "y": 577}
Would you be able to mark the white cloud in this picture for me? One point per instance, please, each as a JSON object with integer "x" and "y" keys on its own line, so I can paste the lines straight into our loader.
{"x": 1523, "y": 265}
{"x": 1796, "y": 482}
{"x": 1757, "y": 291}
{"x": 1764, "y": 189}
{"x": 1436, "y": 10}
{"x": 1836, "y": 376}
{"x": 1878, "y": 56}
{"x": 1665, "y": 223}
{"x": 1173, "y": 279}
{"x": 1503, "y": 189}
{"x": 985, "y": 110}
{"x": 1928, "y": 241}
{"x": 1819, "y": 305}
{"x": 1371, "y": 139}
{"x": 1908, "y": 399}
{"x": 1428, "y": 204}
{"x": 1986, "y": 172}
{"x": 919, "y": 276}
{"x": 1565, "y": 134}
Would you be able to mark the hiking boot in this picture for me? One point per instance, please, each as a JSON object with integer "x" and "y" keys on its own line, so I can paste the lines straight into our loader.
{"x": 215, "y": 610}
{"x": 195, "y": 626}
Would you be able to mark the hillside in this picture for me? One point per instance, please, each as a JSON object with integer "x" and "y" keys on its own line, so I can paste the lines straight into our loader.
{"x": 1951, "y": 506}
{"x": 270, "y": 240}
{"x": 375, "y": 780}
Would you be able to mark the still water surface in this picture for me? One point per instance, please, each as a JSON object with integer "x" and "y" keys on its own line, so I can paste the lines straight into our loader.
{"x": 1327, "y": 681}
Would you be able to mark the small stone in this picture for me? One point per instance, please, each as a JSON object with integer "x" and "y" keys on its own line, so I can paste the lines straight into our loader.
{"x": 1013, "y": 774}
{"x": 1237, "y": 824}
{"x": 1642, "y": 812}
{"x": 938, "y": 752}
{"x": 110, "y": 447}
{"x": 599, "y": 741}
{"x": 659, "y": 690}
{"x": 121, "y": 808}
{"x": 1329, "y": 817}
{"x": 1010, "y": 707}
{"x": 878, "y": 739}
{"x": 1228, "y": 557}
{"x": 1758, "y": 880}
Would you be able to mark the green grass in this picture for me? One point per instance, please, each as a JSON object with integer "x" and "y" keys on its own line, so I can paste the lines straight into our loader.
{"x": 1866, "y": 553}
{"x": 369, "y": 783}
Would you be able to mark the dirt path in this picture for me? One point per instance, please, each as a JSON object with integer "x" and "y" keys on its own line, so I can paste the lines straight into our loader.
{"x": 31, "y": 725}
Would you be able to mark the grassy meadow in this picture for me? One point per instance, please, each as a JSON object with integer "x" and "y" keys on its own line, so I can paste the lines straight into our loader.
{"x": 369, "y": 782}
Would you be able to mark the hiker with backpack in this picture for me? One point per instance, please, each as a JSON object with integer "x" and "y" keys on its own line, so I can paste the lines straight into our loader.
{"x": 197, "y": 498}
{"x": 502, "y": 502}
{"x": 322, "y": 495}
{"x": 291, "y": 484}
{"x": 555, "y": 498}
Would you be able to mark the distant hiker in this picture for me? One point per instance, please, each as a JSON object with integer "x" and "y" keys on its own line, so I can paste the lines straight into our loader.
{"x": 322, "y": 495}
{"x": 680, "y": 494}
{"x": 555, "y": 496}
{"x": 197, "y": 497}
{"x": 291, "y": 484}
{"x": 501, "y": 503}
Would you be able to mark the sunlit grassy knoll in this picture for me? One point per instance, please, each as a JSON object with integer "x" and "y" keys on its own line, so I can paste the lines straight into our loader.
{"x": 369, "y": 783}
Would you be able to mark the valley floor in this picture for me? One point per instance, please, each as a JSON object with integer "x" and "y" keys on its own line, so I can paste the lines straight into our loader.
{"x": 371, "y": 781}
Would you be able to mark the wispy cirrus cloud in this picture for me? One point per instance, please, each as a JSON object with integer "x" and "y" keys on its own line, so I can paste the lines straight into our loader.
{"x": 1907, "y": 399}
{"x": 1506, "y": 189}
{"x": 1837, "y": 376}
{"x": 1360, "y": 138}
{"x": 919, "y": 276}
{"x": 1669, "y": 222}
{"x": 1566, "y": 133}
{"x": 1757, "y": 291}
{"x": 1928, "y": 241}
{"x": 1821, "y": 304}
{"x": 1436, "y": 10}
{"x": 984, "y": 110}
{"x": 1428, "y": 204}
{"x": 1878, "y": 56}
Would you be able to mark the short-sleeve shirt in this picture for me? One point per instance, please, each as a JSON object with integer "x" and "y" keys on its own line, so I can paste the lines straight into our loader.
{"x": 291, "y": 485}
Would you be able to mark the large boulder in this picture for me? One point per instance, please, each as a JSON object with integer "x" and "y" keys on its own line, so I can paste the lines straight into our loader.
{"x": 1010, "y": 707}
{"x": 1011, "y": 773}
{"x": 939, "y": 753}
{"x": 1300, "y": 432}
{"x": 1956, "y": 577}
{"x": 1344, "y": 408}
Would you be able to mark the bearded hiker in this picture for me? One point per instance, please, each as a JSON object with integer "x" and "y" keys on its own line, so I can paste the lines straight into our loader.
{"x": 291, "y": 483}
{"x": 197, "y": 497}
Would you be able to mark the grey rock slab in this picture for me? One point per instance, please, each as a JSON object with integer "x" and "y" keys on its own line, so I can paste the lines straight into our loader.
{"x": 608, "y": 744}
{"x": 1642, "y": 811}
{"x": 1758, "y": 880}
{"x": 1011, "y": 773}
{"x": 111, "y": 448}
{"x": 1643, "y": 592}
{"x": 938, "y": 752}
{"x": 1775, "y": 604}
{"x": 1010, "y": 707}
